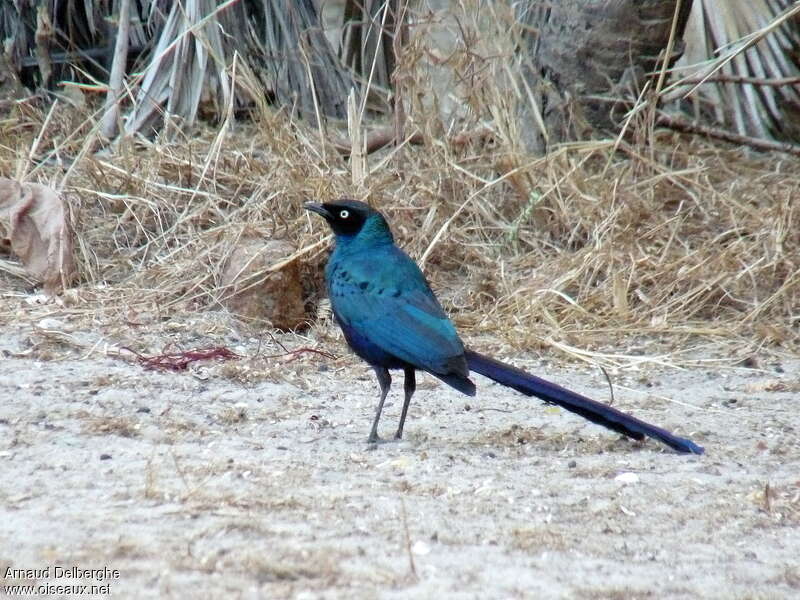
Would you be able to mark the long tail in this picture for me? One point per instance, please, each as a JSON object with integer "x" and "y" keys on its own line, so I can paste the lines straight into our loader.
{"x": 602, "y": 414}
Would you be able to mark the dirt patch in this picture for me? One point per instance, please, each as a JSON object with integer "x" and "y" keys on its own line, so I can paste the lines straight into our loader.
{"x": 264, "y": 485}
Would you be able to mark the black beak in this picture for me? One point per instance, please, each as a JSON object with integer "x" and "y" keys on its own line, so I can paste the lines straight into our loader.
{"x": 319, "y": 209}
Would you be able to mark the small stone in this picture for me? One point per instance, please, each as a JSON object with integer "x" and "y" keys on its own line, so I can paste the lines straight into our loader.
{"x": 627, "y": 478}
{"x": 420, "y": 548}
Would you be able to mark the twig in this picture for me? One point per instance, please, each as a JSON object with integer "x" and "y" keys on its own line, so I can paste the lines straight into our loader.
{"x": 21, "y": 175}
{"x": 682, "y": 124}
{"x": 610, "y": 385}
{"x": 767, "y": 499}
{"x": 356, "y": 152}
{"x": 400, "y": 39}
{"x": 298, "y": 351}
{"x": 662, "y": 75}
{"x": 111, "y": 116}
{"x": 43, "y": 37}
{"x": 404, "y": 516}
{"x": 375, "y": 141}
{"x": 741, "y": 79}
{"x": 179, "y": 361}
{"x": 380, "y": 138}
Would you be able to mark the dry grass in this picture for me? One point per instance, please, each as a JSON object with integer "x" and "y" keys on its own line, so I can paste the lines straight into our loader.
{"x": 779, "y": 503}
{"x": 103, "y": 425}
{"x": 539, "y": 539}
{"x": 660, "y": 236}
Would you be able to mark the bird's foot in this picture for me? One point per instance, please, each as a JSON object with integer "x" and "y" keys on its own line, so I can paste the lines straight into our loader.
{"x": 374, "y": 441}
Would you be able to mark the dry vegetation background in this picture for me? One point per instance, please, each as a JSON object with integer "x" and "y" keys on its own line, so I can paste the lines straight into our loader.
{"x": 654, "y": 234}
{"x": 693, "y": 243}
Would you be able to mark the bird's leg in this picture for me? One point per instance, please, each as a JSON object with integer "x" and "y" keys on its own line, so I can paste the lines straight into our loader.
{"x": 409, "y": 386}
{"x": 385, "y": 381}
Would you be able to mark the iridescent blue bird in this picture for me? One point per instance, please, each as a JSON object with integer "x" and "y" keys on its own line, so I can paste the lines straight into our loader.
{"x": 391, "y": 318}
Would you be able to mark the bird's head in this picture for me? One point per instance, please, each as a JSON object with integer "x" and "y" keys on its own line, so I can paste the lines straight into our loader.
{"x": 351, "y": 218}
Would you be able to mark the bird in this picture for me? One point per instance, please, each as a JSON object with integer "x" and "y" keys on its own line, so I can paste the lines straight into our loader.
{"x": 391, "y": 318}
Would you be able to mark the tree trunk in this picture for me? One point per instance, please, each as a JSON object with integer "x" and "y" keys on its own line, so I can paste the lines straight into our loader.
{"x": 580, "y": 54}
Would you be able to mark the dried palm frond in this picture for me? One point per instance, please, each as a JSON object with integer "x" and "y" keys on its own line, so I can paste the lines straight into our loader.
{"x": 740, "y": 66}
{"x": 71, "y": 37}
{"x": 180, "y": 68}
{"x": 283, "y": 46}
{"x": 286, "y": 47}
{"x": 184, "y": 50}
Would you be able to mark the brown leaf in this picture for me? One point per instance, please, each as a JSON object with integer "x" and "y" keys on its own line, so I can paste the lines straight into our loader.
{"x": 33, "y": 220}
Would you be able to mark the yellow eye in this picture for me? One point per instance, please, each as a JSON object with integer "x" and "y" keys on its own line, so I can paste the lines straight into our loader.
{"x": 344, "y": 214}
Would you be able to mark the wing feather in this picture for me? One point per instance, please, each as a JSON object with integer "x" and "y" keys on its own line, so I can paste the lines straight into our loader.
{"x": 390, "y": 302}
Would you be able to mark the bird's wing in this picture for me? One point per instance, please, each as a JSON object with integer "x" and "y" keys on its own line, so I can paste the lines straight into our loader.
{"x": 384, "y": 297}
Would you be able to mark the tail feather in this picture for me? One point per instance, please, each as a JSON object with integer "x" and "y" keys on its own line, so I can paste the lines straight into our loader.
{"x": 459, "y": 382}
{"x": 596, "y": 412}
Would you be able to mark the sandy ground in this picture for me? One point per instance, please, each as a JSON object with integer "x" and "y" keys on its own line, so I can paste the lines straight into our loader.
{"x": 230, "y": 482}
